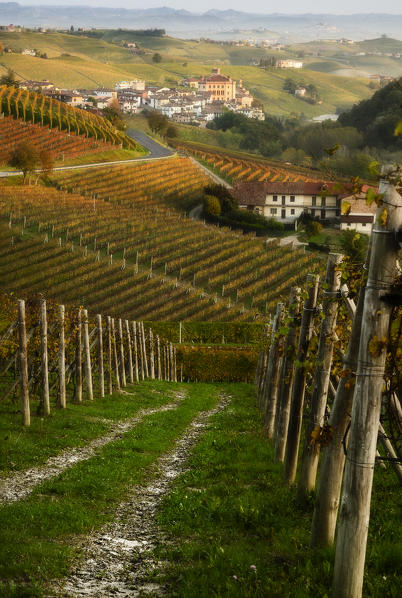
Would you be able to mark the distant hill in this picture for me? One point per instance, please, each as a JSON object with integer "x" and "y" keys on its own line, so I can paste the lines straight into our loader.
{"x": 377, "y": 117}
{"x": 213, "y": 23}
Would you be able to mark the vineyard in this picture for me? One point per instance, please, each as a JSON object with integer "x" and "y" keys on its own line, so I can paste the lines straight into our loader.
{"x": 137, "y": 256}
{"x": 39, "y": 109}
{"x": 62, "y": 146}
{"x": 233, "y": 166}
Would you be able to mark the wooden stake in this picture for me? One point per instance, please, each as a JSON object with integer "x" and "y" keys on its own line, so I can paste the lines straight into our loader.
{"x": 274, "y": 362}
{"x": 115, "y": 359}
{"x": 78, "y": 359}
{"x": 383, "y": 438}
{"x": 130, "y": 352}
{"x": 100, "y": 355}
{"x": 158, "y": 357}
{"x": 322, "y": 372}
{"x": 144, "y": 348}
{"x": 286, "y": 376}
{"x": 109, "y": 355}
{"x": 151, "y": 355}
{"x": 45, "y": 401}
{"x": 62, "y": 361}
{"x": 121, "y": 344}
{"x": 299, "y": 384}
{"x": 87, "y": 357}
{"x": 134, "y": 331}
{"x": 358, "y": 479}
{"x": 23, "y": 359}
{"x": 141, "y": 351}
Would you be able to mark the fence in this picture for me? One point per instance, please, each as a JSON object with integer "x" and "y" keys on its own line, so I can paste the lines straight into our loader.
{"x": 303, "y": 351}
{"x": 54, "y": 354}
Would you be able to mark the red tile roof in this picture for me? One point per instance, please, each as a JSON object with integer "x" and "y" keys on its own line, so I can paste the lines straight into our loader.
{"x": 254, "y": 193}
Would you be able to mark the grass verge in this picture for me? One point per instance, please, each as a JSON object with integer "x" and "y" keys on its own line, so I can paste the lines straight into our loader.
{"x": 236, "y": 530}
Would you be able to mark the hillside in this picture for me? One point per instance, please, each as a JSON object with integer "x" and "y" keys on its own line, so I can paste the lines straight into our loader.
{"x": 81, "y": 61}
{"x": 35, "y": 108}
{"x": 163, "y": 265}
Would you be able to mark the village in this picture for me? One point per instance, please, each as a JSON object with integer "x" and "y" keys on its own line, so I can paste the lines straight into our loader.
{"x": 194, "y": 100}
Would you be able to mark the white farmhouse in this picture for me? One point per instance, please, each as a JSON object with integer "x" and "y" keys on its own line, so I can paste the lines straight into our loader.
{"x": 356, "y": 214}
{"x": 286, "y": 201}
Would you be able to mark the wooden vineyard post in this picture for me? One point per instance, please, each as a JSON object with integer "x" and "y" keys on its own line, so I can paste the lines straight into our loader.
{"x": 158, "y": 357}
{"x": 115, "y": 358}
{"x": 144, "y": 348}
{"x": 272, "y": 374}
{"x": 109, "y": 355}
{"x": 359, "y": 469}
{"x": 23, "y": 359}
{"x": 121, "y": 345}
{"x": 299, "y": 383}
{"x": 286, "y": 376}
{"x": 100, "y": 355}
{"x": 311, "y": 450}
{"x": 167, "y": 367}
{"x": 62, "y": 361}
{"x": 78, "y": 359}
{"x": 151, "y": 355}
{"x": 141, "y": 351}
{"x": 384, "y": 440}
{"x": 331, "y": 470}
{"x": 45, "y": 401}
{"x": 174, "y": 363}
{"x": 130, "y": 352}
{"x": 171, "y": 360}
{"x": 135, "y": 346}
{"x": 87, "y": 357}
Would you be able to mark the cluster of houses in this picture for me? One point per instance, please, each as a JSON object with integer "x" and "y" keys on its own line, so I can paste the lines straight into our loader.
{"x": 287, "y": 201}
{"x": 196, "y": 100}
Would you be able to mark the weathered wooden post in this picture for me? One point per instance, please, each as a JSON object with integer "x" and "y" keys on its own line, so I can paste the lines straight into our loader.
{"x": 274, "y": 361}
{"x": 87, "y": 357}
{"x": 135, "y": 345}
{"x": 115, "y": 358}
{"x": 78, "y": 359}
{"x": 45, "y": 401}
{"x": 23, "y": 359}
{"x": 322, "y": 372}
{"x": 286, "y": 376}
{"x": 62, "y": 361}
{"x": 140, "y": 351}
{"x": 167, "y": 371}
{"x": 130, "y": 352}
{"x": 158, "y": 357}
{"x": 358, "y": 479}
{"x": 100, "y": 355}
{"x": 299, "y": 383}
{"x": 121, "y": 347}
{"x": 151, "y": 355}
{"x": 109, "y": 355}
{"x": 144, "y": 349}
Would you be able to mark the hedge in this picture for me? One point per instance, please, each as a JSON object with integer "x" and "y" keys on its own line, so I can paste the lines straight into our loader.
{"x": 233, "y": 333}
{"x": 216, "y": 364}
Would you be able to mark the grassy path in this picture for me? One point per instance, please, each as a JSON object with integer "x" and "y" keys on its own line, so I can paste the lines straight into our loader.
{"x": 56, "y": 519}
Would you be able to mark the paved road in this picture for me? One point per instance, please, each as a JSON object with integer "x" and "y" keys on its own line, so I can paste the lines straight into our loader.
{"x": 156, "y": 150}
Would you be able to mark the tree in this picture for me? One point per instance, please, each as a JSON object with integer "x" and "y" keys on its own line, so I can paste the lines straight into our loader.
{"x": 157, "y": 122}
{"x": 114, "y": 115}
{"x": 157, "y": 57}
{"x": 9, "y": 79}
{"x": 46, "y": 160}
{"x": 25, "y": 157}
{"x": 212, "y": 206}
{"x": 171, "y": 131}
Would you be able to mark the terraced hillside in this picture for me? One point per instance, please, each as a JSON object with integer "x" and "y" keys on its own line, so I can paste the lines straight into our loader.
{"x": 132, "y": 258}
{"x": 236, "y": 166}
{"x": 15, "y": 131}
{"x": 35, "y": 108}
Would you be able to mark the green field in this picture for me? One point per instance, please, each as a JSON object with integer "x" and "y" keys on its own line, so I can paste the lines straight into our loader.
{"x": 80, "y": 61}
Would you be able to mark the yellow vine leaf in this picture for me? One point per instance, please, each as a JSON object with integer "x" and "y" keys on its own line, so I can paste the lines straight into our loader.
{"x": 383, "y": 217}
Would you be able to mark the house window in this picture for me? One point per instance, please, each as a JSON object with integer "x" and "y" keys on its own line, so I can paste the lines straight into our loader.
{"x": 273, "y": 211}
{"x": 292, "y": 211}
{"x": 283, "y": 213}
{"x": 322, "y": 214}
{"x": 314, "y": 201}
{"x": 283, "y": 199}
{"x": 274, "y": 198}
{"x": 363, "y": 224}
{"x": 313, "y": 213}
{"x": 292, "y": 198}
{"x": 323, "y": 201}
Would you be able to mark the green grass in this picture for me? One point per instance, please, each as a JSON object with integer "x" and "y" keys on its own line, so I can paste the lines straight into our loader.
{"x": 74, "y": 426}
{"x": 48, "y": 523}
{"x": 234, "y": 529}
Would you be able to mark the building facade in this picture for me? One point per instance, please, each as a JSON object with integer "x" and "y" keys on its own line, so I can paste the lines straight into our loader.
{"x": 287, "y": 201}
{"x": 220, "y": 87}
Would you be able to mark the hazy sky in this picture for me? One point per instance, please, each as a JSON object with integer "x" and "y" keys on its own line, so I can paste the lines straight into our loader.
{"x": 258, "y": 6}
